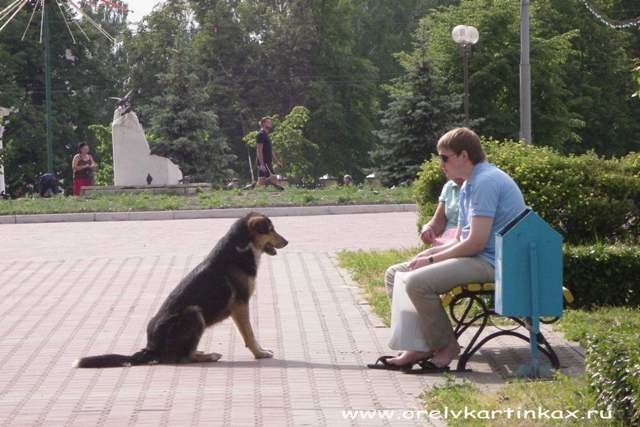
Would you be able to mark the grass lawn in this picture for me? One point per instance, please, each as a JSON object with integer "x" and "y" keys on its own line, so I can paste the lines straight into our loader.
{"x": 367, "y": 269}
{"x": 208, "y": 200}
{"x": 561, "y": 393}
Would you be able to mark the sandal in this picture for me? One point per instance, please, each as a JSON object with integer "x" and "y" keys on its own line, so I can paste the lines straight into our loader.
{"x": 426, "y": 367}
{"x": 382, "y": 363}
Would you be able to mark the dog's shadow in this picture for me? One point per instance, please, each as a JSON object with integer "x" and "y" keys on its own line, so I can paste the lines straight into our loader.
{"x": 276, "y": 363}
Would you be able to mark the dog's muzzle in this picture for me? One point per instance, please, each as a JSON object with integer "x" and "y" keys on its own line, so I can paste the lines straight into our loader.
{"x": 270, "y": 248}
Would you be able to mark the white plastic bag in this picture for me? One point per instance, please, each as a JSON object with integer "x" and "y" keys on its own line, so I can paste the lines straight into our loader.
{"x": 406, "y": 325}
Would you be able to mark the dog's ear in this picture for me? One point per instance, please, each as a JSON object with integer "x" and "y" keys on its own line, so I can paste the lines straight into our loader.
{"x": 258, "y": 225}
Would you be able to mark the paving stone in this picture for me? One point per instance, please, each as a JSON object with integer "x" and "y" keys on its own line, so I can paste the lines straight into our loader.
{"x": 71, "y": 290}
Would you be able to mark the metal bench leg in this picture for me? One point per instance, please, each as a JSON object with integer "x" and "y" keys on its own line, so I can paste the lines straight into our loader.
{"x": 543, "y": 346}
{"x": 462, "y": 326}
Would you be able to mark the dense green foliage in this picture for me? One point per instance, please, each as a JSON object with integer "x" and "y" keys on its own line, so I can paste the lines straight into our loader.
{"x": 585, "y": 197}
{"x": 600, "y": 275}
{"x": 204, "y": 71}
{"x": 581, "y": 81}
{"x": 613, "y": 362}
{"x": 610, "y": 337}
{"x": 84, "y": 75}
{"x": 103, "y": 154}
{"x": 418, "y": 114}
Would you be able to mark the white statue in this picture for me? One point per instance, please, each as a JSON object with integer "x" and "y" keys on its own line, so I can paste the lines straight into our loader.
{"x": 133, "y": 163}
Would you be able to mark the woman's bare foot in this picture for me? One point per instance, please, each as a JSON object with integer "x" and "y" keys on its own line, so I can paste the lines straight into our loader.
{"x": 409, "y": 356}
{"x": 444, "y": 356}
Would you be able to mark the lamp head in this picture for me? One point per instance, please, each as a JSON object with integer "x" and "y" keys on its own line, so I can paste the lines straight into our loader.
{"x": 465, "y": 35}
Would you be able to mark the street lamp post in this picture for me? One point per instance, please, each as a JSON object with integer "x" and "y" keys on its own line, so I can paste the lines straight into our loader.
{"x": 465, "y": 36}
{"x": 525, "y": 75}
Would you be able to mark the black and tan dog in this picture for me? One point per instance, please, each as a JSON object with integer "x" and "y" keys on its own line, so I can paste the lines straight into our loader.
{"x": 217, "y": 288}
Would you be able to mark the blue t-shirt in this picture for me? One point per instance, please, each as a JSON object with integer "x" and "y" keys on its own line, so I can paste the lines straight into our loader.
{"x": 492, "y": 193}
{"x": 449, "y": 196}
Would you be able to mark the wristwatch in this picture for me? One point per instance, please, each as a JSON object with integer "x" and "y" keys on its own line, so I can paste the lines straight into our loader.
{"x": 430, "y": 259}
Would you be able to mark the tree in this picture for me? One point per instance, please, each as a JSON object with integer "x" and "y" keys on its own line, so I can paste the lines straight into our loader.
{"x": 343, "y": 100}
{"x": 102, "y": 140}
{"x": 596, "y": 73}
{"x": 83, "y": 76}
{"x": 494, "y": 69}
{"x": 256, "y": 59}
{"x": 418, "y": 114}
{"x": 580, "y": 72}
{"x": 382, "y": 28}
{"x": 171, "y": 94}
{"x": 185, "y": 130}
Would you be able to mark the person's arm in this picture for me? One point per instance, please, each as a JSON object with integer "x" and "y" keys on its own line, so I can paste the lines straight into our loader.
{"x": 93, "y": 164}
{"x": 259, "y": 155}
{"x": 276, "y": 160}
{"x": 435, "y": 226}
{"x": 74, "y": 163}
{"x": 436, "y": 249}
{"x": 473, "y": 245}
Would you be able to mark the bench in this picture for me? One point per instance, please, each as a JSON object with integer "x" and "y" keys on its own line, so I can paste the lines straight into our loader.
{"x": 460, "y": 303}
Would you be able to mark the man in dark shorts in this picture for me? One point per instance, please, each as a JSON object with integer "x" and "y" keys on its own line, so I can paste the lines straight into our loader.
{"x": 265, "y": 155}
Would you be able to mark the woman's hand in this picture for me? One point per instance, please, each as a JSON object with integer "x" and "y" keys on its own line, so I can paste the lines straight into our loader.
{"x": 427, "y": 235}
{"x": 418, "y": 262}
{"x": 427, "y": 253}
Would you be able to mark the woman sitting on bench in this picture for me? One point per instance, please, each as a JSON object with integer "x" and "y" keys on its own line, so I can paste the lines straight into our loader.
{"x": 489, "y": 199}
{"x": 440, "y": 230}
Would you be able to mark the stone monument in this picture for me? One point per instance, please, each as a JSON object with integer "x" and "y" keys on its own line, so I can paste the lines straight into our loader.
{"x": 133, "y": 163}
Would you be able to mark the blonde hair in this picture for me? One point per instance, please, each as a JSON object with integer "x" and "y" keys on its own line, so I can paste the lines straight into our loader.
{"x": 463, "y": 139}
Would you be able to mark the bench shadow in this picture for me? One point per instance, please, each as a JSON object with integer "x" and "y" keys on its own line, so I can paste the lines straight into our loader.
{"x": 506, "y": 361}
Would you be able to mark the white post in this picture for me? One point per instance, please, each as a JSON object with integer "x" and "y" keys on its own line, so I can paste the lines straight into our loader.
{"x": 2, "y": 187}
{"x": 525, "y": 74}
{"x": 3, "y": 112}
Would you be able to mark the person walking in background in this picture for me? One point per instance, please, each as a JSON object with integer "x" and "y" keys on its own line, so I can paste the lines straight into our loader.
{"x": 83, "y": 167}
{"x": 264, "y": 152}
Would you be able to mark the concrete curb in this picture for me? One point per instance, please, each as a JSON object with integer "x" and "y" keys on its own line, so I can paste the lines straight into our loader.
{"x": 205, "y": 213}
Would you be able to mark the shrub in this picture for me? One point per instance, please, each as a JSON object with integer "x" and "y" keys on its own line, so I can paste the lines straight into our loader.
{"x": 586, "y": 198}
{"x": 603, "y": 275}
{"x": 631, "y": 163}
{"x": 609, "y": 336}
{"x": 613, "y": 368}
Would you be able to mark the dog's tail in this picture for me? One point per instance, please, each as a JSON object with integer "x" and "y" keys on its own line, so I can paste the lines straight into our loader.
{"x": 143, "y": 357}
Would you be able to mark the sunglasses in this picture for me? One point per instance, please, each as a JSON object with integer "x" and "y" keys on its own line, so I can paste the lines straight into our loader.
{"x": 445, "y": 158}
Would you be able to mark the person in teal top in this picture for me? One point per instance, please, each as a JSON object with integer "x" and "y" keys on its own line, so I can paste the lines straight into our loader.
{"x": 449, "y": 196}
{"x": 439, "y": 230}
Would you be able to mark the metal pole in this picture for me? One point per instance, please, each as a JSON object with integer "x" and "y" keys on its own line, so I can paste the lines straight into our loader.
{"x": 47, "y": 88}
{"x": 465, "y": 54}
{"x": 525, "y": 75}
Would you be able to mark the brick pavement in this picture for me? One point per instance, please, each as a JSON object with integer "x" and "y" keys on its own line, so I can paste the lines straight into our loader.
{"x": 77, "y": 289}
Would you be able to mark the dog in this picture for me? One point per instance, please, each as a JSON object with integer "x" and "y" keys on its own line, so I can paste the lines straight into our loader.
{"x": 219, "y": 287}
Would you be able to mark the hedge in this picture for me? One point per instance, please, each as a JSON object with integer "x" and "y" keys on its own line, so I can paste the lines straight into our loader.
{"x": 602, "y": 275}
{"x": 587, "y": 198}
{"x": 613, "y": 368}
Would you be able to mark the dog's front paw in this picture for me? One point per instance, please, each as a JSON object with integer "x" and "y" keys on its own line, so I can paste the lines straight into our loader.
{"x": 262, "y": 353}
